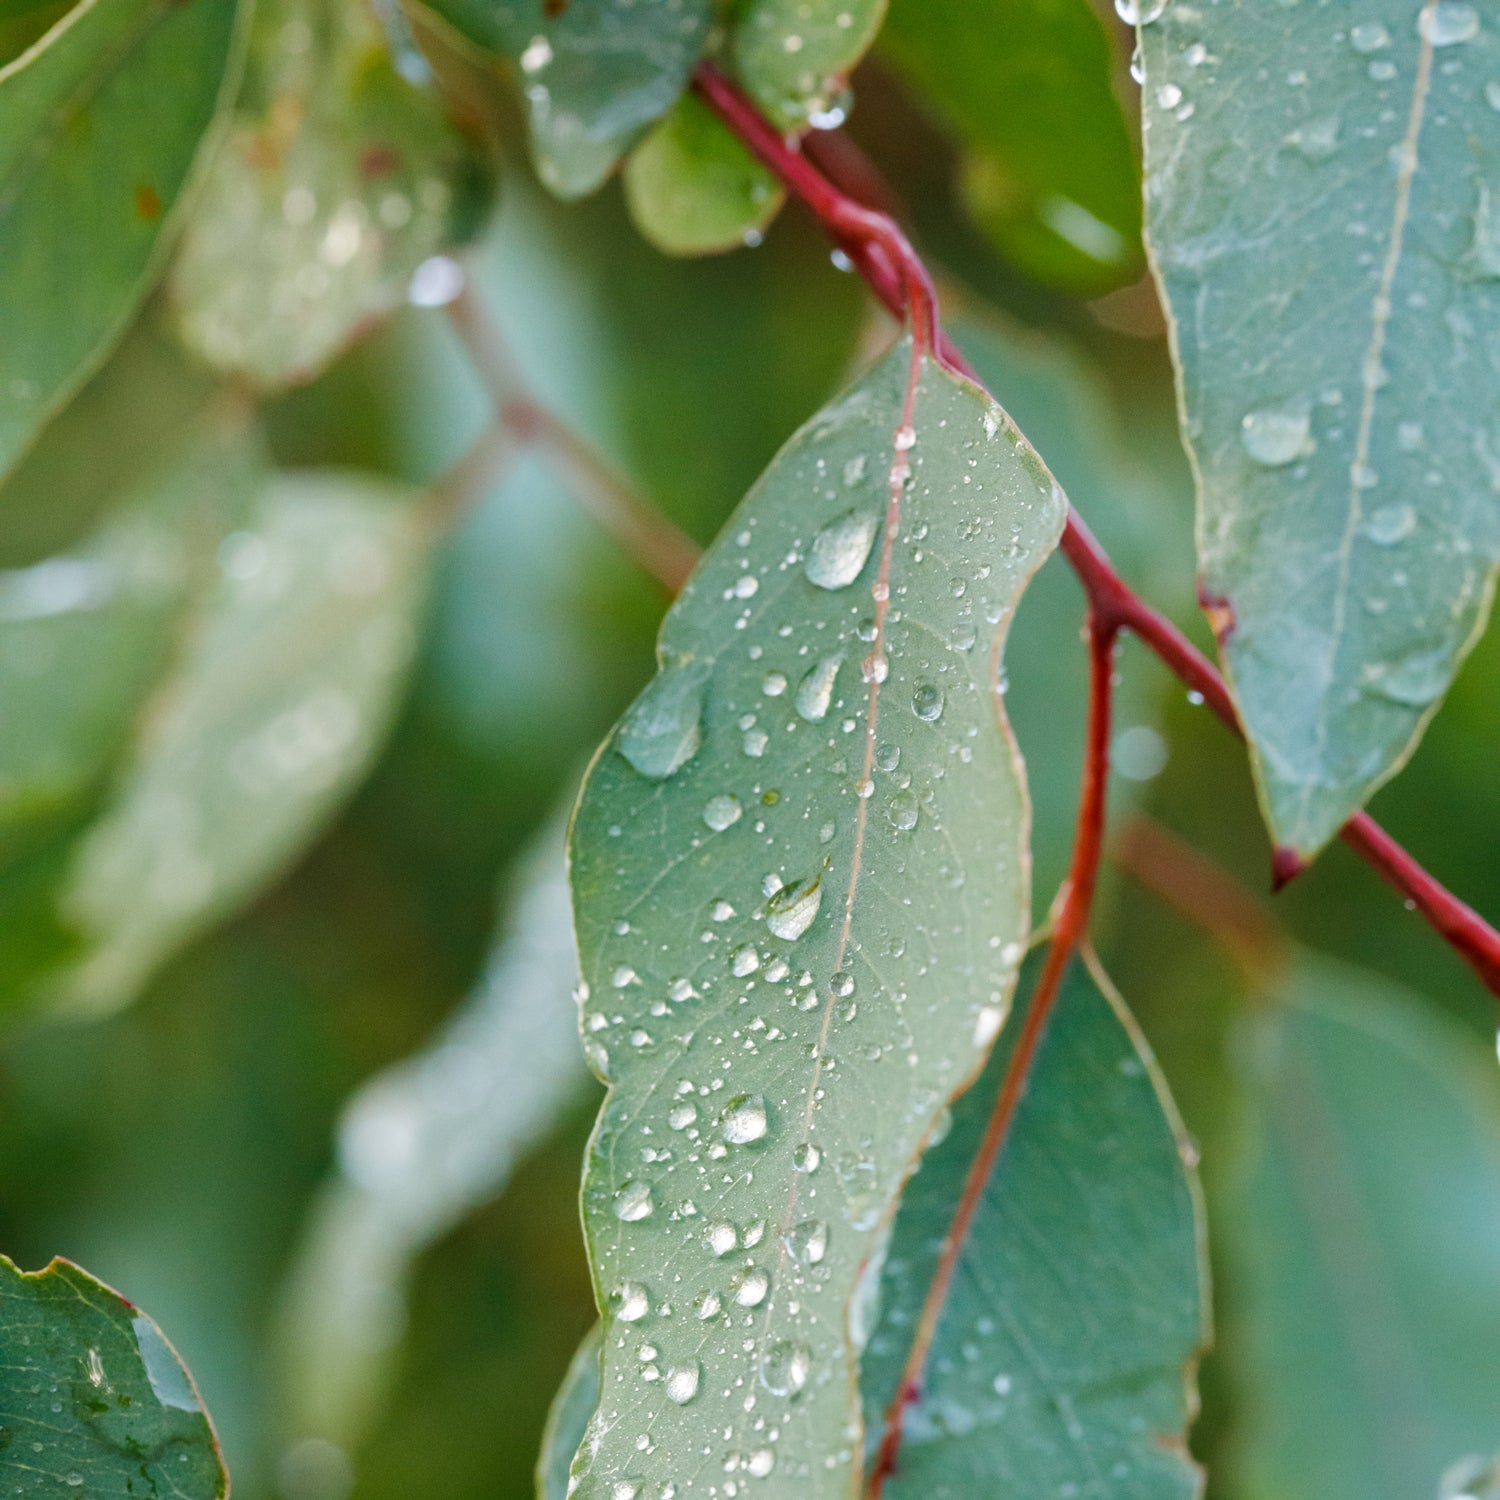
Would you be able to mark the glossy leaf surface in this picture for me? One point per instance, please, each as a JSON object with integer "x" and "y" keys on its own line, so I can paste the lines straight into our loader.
{"x": 800, "y": 880}
{"x": 100, "y": 123}
{"x": 94, "y": 1400}
{"x": 337, "y": 179}
{"x": 1329, "y": 242}
{"x": 1063, "y": 1361}
{"x": 794, "y": 56}
{"x": 1363, "y": 1229}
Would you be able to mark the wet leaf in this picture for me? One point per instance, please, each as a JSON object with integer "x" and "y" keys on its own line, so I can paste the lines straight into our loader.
{"x": 1362, "y": 1228}
{"x": 800, "y": 883}
{"x": 693, "y": 187}
{"x": 100, "y": 123}
{"x": 1050, "y": 174}
{"x": 1332, "y": 261}
{"x": 1066, "y": 1348}
{"x": 337, "y": 179}
{"x": 568, "y": 1419}
{"x": 794, "y": 56}
{"x": 271, "y": 715}
{"x": 95, "y": 1400}
{"x": 595, "y": 73}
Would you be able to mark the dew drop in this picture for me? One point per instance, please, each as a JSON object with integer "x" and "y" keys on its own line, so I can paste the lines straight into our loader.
{"x": 904, "y": 811}
{"x": 876, "y": 667}
{"x": 784, "y": 1368}
{"x": 743, "y": 1120}
{"x": 1449, "y": 23}
{"x": 760, "y": 1463}
{"x": 807, "y": 1242}
{"x": 634, "y": 1202}
{"x": 749, "y": 1286}
{"x": 1139, "y": 12}
{"x": 630, "y": 1301}
{"x": 1370, "y": 36}
{"x": 1391, "y": 523}
{"x": 680, "y": 1116}
{"x": 1276, "y": 436}
{"x": 722, "y": 812}
{"x": 706, "y": 1305}
{"x": 790, "y": 912}
{"x": 927, "y": 702}
{"x": 773, "y": 684}
{"x": 806, "y": 1157}
{"x": 840, "y": 550}
{"x": 815, "y": 692}
{"x": 662, "y": 729}
{"x": 720, "y": 1238}
{"x": 682, "y": 1382}
{"x": 745, "y": 961}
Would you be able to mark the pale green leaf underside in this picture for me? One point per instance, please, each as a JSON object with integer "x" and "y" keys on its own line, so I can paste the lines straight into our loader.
{"x": 1063, "y": 1361}
{"x": 337, "y": 179}
{"x": 569, "y": 1418}
{"x": 99, "y": 125}
{"x": 787, "y": 980}
{"x": 1363, "y": 1226}
{"x": 1323, "y": 203}
{"x": 93, "y": 1400}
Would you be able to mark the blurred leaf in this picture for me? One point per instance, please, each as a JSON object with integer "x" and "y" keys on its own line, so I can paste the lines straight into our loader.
{"x": 724, "y": 833}
{"x": 1363, "y": 1228}
{"x": 794, "y": 56}
{"x": 595, "y": 73}
{"x": 422, "y": 1144}
{"x": 1066, "y": 1347}
{"x": 337, "y": 179}
{"x": 96, "y": 1401}
{"x": 693, "y": 187}
{"x": 1342, "y": 423}
{"x": 569, "y": 1418}
{"x": 100, "y": 123}
{"x": 1025, "y": 85}
{"x": 23, "y": 22}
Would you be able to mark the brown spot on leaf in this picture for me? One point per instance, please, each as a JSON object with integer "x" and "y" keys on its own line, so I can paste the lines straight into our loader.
{"x": 552, "y": 9}
{"x": 1220, "y": 613}
{"x": 147, "y": 202}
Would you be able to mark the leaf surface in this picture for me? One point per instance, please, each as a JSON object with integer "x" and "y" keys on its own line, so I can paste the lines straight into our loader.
{"x": 794, "y": 56}
{"x": 1362, "y": 1227}
{"x": 338, "y": 177}
{"x": 1063, "y": 1358}
{"x": 95, "y": 1401}
{"x": 595, "y": 73}
{"x": 800, "y": 880}
{"x": 100, "y": 123}
{"x": 569, "y": 1418}
{"x": 1323, "y": 198}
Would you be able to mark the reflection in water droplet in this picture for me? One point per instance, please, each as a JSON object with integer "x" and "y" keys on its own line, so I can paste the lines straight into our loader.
{"x": 841, "y": 549}
{"x": 807, "y": 1242}
{"x": 790, "y": 912}
{"x": 749, "y": 1286}
{"x": 1139, "y": 12}
{"x": 1449, "y": 23}
{"x": 784, "y": 1368}
{"x": 904, "y": 811}
{"x": 927, "y": 702}
{"x": 630, "y": 1301}
{"x": 815, "y": 693}
{"x": 662, "y": 728}
{"x": 806, "y": 1157}
{"x": 634, "y": 1201}
{"x": 720, "y": 1238}
{"x": 1277, "y": 436}
{"x": 722, "y": 812}
{"x": 682, "y": 1382}
{"x": 744, "y": 1119}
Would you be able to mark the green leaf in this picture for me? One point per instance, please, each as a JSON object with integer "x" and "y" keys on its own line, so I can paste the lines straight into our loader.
{"x": 337, "y": 179}
{"x": 267, "y": 722}
{"x": 569, "y": 1418}
{"x": 1050, "y": 174}
{"x": 100, "y": 123}
{"x": 1362, "y": 1228}
{"x": 95, "y": 1401}
{"x": 800, "y": 881}
{"x": 794, "y": 56}
{"x": 1331, "y": 259}
{"x": 694, "y": 187}
{"x": 1063, "y": 1360}
{"x": 595, "y": 73}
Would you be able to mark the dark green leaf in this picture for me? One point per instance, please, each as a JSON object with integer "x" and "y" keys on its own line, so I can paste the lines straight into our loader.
{"x": 337, "y": 179}
{"x": 93, "y": 1400}
{"x": 800, "y": 883}
{"x": 100, "y": 123}
{"x": 794, "y": 56}
{"x": 1332, "y": 261}
{"x": 1063, "y": 1361}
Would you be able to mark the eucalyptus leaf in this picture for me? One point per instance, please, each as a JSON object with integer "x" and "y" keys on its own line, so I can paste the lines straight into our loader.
{"x": 569, "y": 1418}
{"x": 1063, "y": 1360}
{"x": 595, "y": 73}
{"x": 1331, "y": 257}
{"x": 794, "y": 56}
{"x": 95, "y": 1401}
{"x": 101, "y": 121}
{"x": 1362, "y": 1227}
{"x": 337, "y": 179}
{"x": 800, "y": 880}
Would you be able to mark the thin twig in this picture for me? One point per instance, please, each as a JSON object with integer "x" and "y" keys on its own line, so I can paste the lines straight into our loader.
{"x": 881, "y": 259}
{"x": 652, "y": 541}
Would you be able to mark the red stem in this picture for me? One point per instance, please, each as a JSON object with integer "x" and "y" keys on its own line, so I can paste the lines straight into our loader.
{"x": 881, "y": 254}
{"x": 1069, "y": 925}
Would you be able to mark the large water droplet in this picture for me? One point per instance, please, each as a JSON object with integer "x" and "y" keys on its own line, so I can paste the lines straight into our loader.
{"x": 815, "y": 693}
{"x": 841, "y": 549}
{"x": 682, "y": 1382}
{"x": 1140, "y": 12}
{"x": 790, "y": 912}
{"x": 784, "y": 1368}
{"x": 1448, "y": 23}
{"x": 1277, "y": 436}
{"x": 630, "y": 1301}
{"x": 744, "y": 1119}
{"x": 720, "y": 1238}
{"x": 662, "y": 729}
{"x": 634, "y": 1201}
{"x": 904, "y": 811}
{"x": 807, "y": 1242}
{"x": 749, "y": 1286}
{"x": 722, "y": 812}
{"x": 927, "y": 702}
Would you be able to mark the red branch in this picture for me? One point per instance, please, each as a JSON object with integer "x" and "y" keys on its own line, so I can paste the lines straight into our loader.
{"x": 885, "y": 259}
{"x": 1070, "y": 921}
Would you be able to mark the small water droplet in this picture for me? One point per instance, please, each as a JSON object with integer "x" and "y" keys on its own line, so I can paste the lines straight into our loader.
{"x": 722, "y": 812}
{"x": 1369, "y": 36}
{"x": 706, "y": 1305}
{"x": 745, "y": 961}
{"x": 840, "y": 550}
{"x": 904, "y": 811}
{"x": 784, "y": 1368}
{"x": 806, "y": 1157}
{"x": 1169, "y": 96}
{"x": 680, "y": 1116}
{"x": 1277, "y": 436}
{"x": 808, "y": 1242}
{"x": 790, "y": 912}
{"x": 875, "y": 667}
{"x": 682, "y": 1382}
{"x": 927, "y": 702}
{"x": 743, "y": 1119}
{"x": 749, "y": 1286}
{"x": 720, "y": 1238}
{"x": 630, "y": 1301}
{"x": 1140, "y": 12}
{"x": 773, "y": 684}
{"x": 1391, "y": 523}
{"x": 634, "y": 1202}
{"x": 760, "y": 1463}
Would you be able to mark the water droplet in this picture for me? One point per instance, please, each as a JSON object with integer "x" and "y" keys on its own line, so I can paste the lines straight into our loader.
{"x": 806, "y": 1157}
{"x": 745, "y": 961}
{"x": 749, "y": 1286}
{"x": 436, "y": 282}
{"x": 773, "y": 684}
{"x": 784, "y": 1368}
{"x": 630, "y": 1301}
{"x": 1277, "y": 436}
{"x": 927, "y": 702}
{"x": 744, "y": 1119}
{"x": 760, "y": 1463}
{"x": 720, "y": 1238}
{"x": 1391, "y": 523}
{"x": 875, "y": 667}
{"x": 537, "y": 54}
{"x": 755, "y": 742}
{"x": 746, "y": 586}
{"x": 73, "y": 1479}
{"x": 680, "y": 990}
{"x": 815, "y": 693}
{"x": 1449, "y": 23}
{"x": 987, "y": 1025}
{"x": 706, "y": 1305}
{"x": 1369, "y": 36}
{"x": 840, "y": 550}
{"x": 634, "y": 1202}
{"x": 622, "y": 976}
{"x": 790, "y": 912}
{"x": 1139, "y": 12}
{"x": 680, "y": 1116}
{"x": 721, "y": 910}
{"x": 807, "y": 1242}
{"x": 905, "y": 439}
{"x": 1317, "y": 139}
{"x": 904, "y": 811}
{"x": 722, "y": 812}
{"x": 1414, "y": 680}
{"x": 1492, "y": 94}
{"x": 661, "y": 730}
{"x": 1169, "y": 96}
{"x": 682, "y": 1382}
